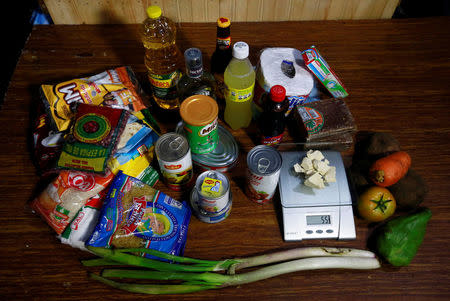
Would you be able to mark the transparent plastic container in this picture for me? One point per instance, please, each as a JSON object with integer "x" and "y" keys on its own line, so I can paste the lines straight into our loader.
{"x": 239, "y": 79}
{"x": 162, "y": 57}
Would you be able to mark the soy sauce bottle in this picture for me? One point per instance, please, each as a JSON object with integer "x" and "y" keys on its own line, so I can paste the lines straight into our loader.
{"x": 223, "y": 53}
{"x": 273, "y": 120}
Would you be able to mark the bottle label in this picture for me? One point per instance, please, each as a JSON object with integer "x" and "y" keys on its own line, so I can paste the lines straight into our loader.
{"x": 223, "y": 43}
{"x": 240, "y": 95}
{"x": 165, "y": 86}
{"x": 271, "y": 141}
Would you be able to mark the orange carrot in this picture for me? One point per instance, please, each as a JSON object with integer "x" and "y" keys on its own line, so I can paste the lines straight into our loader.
{"x": 388, "y": 170}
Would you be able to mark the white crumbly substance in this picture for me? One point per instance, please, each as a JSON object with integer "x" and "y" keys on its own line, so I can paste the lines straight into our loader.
{"x": 317, "y": 170}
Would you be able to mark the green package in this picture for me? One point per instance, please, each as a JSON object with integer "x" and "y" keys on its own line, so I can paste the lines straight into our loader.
{"x": 401, "y": 237}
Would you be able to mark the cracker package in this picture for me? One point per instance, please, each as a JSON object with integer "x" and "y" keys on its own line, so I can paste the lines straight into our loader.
{"x": 66, "y": 195}
{"x": 92, "y": 138}
{"x": 116, "y": 88}
{"x": 134, "y": 215}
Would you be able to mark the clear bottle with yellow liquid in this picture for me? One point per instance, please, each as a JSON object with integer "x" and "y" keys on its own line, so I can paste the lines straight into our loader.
{"x": 162, "y": 57}
{"x": 239, "y": 80}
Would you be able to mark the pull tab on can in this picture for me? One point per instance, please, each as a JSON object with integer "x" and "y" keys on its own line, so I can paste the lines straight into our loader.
{"x": 263, "y": 165}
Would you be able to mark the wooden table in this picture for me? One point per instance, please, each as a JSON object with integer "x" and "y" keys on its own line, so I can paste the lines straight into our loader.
{"x": 397, "y": 73}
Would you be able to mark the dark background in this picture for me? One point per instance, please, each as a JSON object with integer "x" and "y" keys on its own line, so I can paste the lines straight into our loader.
{"x": 18, "y": 23}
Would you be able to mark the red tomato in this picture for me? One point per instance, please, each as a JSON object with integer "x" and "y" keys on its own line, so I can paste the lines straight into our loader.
{"x": 376, "y": 204}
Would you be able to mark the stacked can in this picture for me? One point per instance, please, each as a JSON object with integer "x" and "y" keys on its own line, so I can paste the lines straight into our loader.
{"x": 175, "y": 161}
{"x": 263, "y": 173}
{"x": 211, "y": 198}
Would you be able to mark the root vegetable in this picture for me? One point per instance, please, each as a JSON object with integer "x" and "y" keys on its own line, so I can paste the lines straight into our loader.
{"x": 390, "y": 169}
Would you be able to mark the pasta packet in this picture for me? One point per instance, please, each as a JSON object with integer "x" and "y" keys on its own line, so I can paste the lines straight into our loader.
{"x": 134, "y": 215}
{"x": 63, "y": 198}
{"x": 116, "y": 88}
{"x": 92, "y": 138}
{"x": 134, "y": 153}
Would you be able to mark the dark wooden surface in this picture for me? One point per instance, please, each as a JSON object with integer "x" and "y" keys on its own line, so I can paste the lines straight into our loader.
{"x": 398, "y": 75}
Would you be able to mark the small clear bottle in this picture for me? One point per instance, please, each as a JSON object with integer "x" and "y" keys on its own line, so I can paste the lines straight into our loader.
{"x": 196, "y": 81}
{"x": 240, "y": 82}
{"x": 162, "y": 57}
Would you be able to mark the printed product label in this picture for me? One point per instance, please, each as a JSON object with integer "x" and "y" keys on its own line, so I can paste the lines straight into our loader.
{"x": 202, "y": 139}
{"x": 261, "y": 189}
{"x": 240, "y": 95}
{"x": 224, "y": 43}
{"x": 165, "y": 86}
{"x": 211, "y": 187}
{"x": 271, "y": 141}
{"x": 178, "y": 173}
{"x": 312, "y": 119}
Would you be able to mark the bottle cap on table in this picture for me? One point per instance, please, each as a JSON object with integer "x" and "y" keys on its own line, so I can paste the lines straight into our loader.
{"x": 240, "y": 50}
{"x": 154, "y": 11}
{"x": 277, "y": 93}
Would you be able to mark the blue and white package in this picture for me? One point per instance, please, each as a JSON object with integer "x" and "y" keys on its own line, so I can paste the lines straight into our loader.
{"x": 134, "y": 215}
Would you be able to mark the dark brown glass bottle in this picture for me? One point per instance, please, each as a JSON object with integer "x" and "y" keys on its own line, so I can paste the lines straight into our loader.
{"x": 222, "y": 55}
{"x": 273, "y": 120}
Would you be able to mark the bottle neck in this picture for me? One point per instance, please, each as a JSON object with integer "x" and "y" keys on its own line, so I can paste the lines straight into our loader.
{"x": 195, "y": 72}
{"x": 223, "y": 40}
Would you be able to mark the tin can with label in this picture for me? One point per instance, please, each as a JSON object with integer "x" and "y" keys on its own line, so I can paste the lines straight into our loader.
{"x": 199, "y": 114}
{"x": 175, "y": 161}
{"x": 208, "y": 217}
{"x": 223, "y": 158}
{"x": 263, "y": 173}
{"x": 213, "y": 191}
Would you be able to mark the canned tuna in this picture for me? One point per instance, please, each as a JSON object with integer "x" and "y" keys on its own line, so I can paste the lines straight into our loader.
{"x": 208, "y": 217}
{"x": 175, "y": 161}
{"x": 263, "y": 173}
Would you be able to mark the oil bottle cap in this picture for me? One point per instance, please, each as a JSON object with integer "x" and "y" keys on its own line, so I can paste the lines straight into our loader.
{"x": 240, "y": 50}
{"x": 154, "y": 11}
{"x": 223, "y": 22}
{"x": 277, "y": 93}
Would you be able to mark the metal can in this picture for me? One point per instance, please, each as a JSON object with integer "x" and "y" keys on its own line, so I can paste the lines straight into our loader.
{"x": 223, "y": 158}
{"x": 213, "y": 191}
{"x": 175, "y": 161}
{"x": 199, "y": 114}
{"x": 263, "y": 173}
{"x": 208, "y": 217}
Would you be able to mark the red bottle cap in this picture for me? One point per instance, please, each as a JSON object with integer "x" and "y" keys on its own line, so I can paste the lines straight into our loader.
{"x": 277, "y": 93}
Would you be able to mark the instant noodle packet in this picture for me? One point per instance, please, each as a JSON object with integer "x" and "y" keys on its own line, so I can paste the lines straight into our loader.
{"x": 92, "y": 138}
{"x": 135, "y": 215}
{"x": 66, "y": 195}
{"x": 116, "y": 88}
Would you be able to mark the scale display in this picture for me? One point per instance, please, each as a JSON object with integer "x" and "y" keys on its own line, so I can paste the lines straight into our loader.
{"x": 310, "y": 213}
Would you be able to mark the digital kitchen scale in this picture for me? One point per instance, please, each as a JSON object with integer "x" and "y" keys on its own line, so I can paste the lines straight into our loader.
{"x": 310, "y": 213}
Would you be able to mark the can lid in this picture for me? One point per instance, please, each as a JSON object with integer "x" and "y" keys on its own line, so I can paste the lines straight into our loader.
{"x": 263, "y": 160}
{"x": 154, "y": 11}
{"x": 212, "y": 174}
{"x": 240, "y": 50}
{"x": 277, "y": 93}
{"x": 223, "y": 22}
{"x": 198, "y": 110}
{"x": 171, "y": 147}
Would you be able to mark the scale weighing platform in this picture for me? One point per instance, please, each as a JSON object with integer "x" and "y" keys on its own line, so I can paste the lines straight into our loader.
{"x": 310, "y": 213}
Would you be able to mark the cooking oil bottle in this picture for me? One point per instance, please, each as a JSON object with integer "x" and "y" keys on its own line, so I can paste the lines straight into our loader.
{"x": 162, "y": 57}
{"x": 239, "y": 80}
